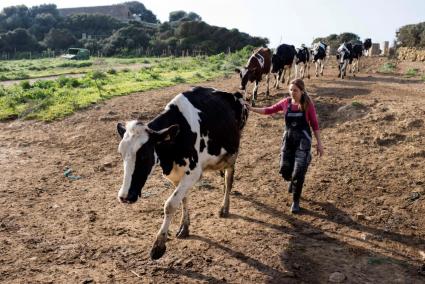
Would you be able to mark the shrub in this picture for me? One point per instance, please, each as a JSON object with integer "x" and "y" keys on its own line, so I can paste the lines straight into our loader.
{"x": 112, "y": 71}
{"x": 412, "y": 72}
{"x": 178, "y": 79}
{"x": 25, "y": 85}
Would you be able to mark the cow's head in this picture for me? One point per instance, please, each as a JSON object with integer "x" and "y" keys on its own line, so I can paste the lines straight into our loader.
{"x": 137, "y": 149}
{"x": 246, "y": 74}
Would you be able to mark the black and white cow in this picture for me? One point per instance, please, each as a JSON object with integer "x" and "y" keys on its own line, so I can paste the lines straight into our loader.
{"x": 258, "y": 65}
{"x": 282, "y": 60}
{"x": 199, "y": 130}
{"x": 302, "y": 62}
{"x": 343, "y": 57}
{"x": 319, "y": 56}
{"x": 355, "y": 55}
{"x": 367, "y": 44}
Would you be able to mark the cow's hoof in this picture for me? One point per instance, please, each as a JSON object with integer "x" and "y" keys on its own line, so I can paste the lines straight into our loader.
{"x": 183, "y": 232}
{"x": 157, "y": 251}
{"x": 308, "y": 76}
{"x": 267, "y": 93}
{"x": 317, "y": 75}
{"x": 253, "y": 103}
{"x": 223, "y": 213}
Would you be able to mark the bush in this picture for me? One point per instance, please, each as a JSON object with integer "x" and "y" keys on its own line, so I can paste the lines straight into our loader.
{"x": 112, "y": 71}
{"x": 412, "y": 72}
{"x": 25, "y": 85}
{"x": 178, "y": 79}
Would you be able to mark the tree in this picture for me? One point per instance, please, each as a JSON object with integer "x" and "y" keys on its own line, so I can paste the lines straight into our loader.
{"x": 92, "y": 24}
{"x": 59, "y": 39}
{"x": 130, "y": 37}
{"x": 42, "y": 24}
{"x": 19, "y": 40}
{"x": 140, "y": 10}
{"x": 412, "y": 35}
{"x": 177, "y": 16}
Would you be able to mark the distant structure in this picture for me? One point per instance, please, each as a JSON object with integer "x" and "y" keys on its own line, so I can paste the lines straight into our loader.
{"x": 385, "y": 48}
{"x": 119, "y": 11}
{"x": 375, "y": 50}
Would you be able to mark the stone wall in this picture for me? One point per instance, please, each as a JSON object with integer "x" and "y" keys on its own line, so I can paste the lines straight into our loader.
{"x": 411, "y": 54}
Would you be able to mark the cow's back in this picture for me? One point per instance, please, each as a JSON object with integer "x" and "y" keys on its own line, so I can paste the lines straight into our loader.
{"x": 222, "y": 117}
{"x": 209, "y": 120}
{"x": 286, "y": 54}
{"x": 253, "y": 62}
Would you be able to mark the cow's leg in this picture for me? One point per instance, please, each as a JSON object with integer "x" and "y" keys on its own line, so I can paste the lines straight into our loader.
{"x": 254, "y": 93}
{"x": 185, "y": 220}
{"x": 268, "y": 80}
{"x": 303, "y": 71}
{"x": 317, "y": 68}
{"x": 296, "y": 70}
{"x": 170, "y": 207}
{"x": 322, "y": 66}
{"x": 289, "y": 75}
{"x": 308, "y": 70}
{"x": 277, "y": 77}
{"x": 228, "y": 182}
{"x": 282, "y": 79}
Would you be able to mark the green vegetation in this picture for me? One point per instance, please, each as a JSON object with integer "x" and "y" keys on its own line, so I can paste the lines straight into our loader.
{"x": 51, "y": 99}
{"x": 335, "y": 40}
{"x": 388, "y": 68}
{"x": 412, "y": 35}
{"x": 412, "y": 72}
{"x": 31, "y": 32}
{"x": 357, "y": 104}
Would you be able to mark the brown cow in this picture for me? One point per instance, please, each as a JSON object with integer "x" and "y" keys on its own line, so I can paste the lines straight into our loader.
{"x": 258, "y": 64}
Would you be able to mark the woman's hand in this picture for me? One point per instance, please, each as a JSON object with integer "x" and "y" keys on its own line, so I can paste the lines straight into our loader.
{"x": 319, "y": 149}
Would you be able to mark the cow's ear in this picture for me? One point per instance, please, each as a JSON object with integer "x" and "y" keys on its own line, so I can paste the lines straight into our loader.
{"x": 167, "y": 135}
{"x": 120, "y": 129}
{"x": 237, "y": 70}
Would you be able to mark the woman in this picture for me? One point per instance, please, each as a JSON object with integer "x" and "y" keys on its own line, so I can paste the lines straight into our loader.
{"x": 300, "y": 116}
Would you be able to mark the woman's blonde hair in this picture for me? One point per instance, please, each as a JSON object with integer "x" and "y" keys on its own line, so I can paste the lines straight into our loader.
{"x": 305, "y": 100}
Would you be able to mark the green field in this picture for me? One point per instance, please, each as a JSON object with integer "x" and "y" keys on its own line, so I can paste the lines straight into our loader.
{"x": 103, "y": 78}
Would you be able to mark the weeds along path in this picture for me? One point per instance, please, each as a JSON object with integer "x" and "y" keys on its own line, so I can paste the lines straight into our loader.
{"x": 363, "y": 201}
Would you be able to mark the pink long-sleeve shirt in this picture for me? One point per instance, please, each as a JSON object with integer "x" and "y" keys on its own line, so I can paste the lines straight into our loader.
{"x": 283, "y": 106}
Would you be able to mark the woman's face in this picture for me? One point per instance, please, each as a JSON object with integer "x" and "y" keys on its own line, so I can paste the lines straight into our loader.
{"x": 295, "y": 93}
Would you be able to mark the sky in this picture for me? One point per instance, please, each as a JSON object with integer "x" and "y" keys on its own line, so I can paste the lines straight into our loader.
{"x": 282, "y": 21}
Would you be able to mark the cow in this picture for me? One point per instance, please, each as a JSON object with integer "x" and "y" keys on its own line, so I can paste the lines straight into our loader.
{"x": 199, "y": 130}
{"x": 258, "y": 64}
{"x": 356, "y": 53}
{"x": 367, "y": 44}
{"x": 343, "y": 57}
{"x": 319, "y": 56}
{"x": 302, "y": 57}
{"x": 283, "y": 60}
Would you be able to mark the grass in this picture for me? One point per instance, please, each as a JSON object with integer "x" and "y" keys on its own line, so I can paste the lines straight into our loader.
{"x": 357, "y": 104}
{"x": 388, "y": 68}
{"x": 412, "y": 72}
{"x": 52, "y": 99}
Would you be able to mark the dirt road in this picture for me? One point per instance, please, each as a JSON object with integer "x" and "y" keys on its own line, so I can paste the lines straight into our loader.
{"x": 364, "y": 201}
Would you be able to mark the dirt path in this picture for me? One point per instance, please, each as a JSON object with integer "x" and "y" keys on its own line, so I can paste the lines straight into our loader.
{"x": 363, "y": 203}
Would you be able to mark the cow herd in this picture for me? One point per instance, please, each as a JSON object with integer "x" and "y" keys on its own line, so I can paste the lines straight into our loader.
{"x": 200, "y": 130}
{"x": 263, "y": 62}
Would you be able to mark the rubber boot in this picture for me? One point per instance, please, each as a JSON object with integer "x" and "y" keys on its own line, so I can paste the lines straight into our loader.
{"x": 295, "y": 207}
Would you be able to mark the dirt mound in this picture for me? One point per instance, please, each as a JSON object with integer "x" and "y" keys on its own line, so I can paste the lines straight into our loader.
{"x": 363, "y": 203}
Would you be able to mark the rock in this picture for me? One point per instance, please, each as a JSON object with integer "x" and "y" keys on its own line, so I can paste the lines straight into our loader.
{"x": 188, "y": 263}
{"x": 360, "y": 216}
{"x": 337, "y": 277}
{"x": 416, "y": 123}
